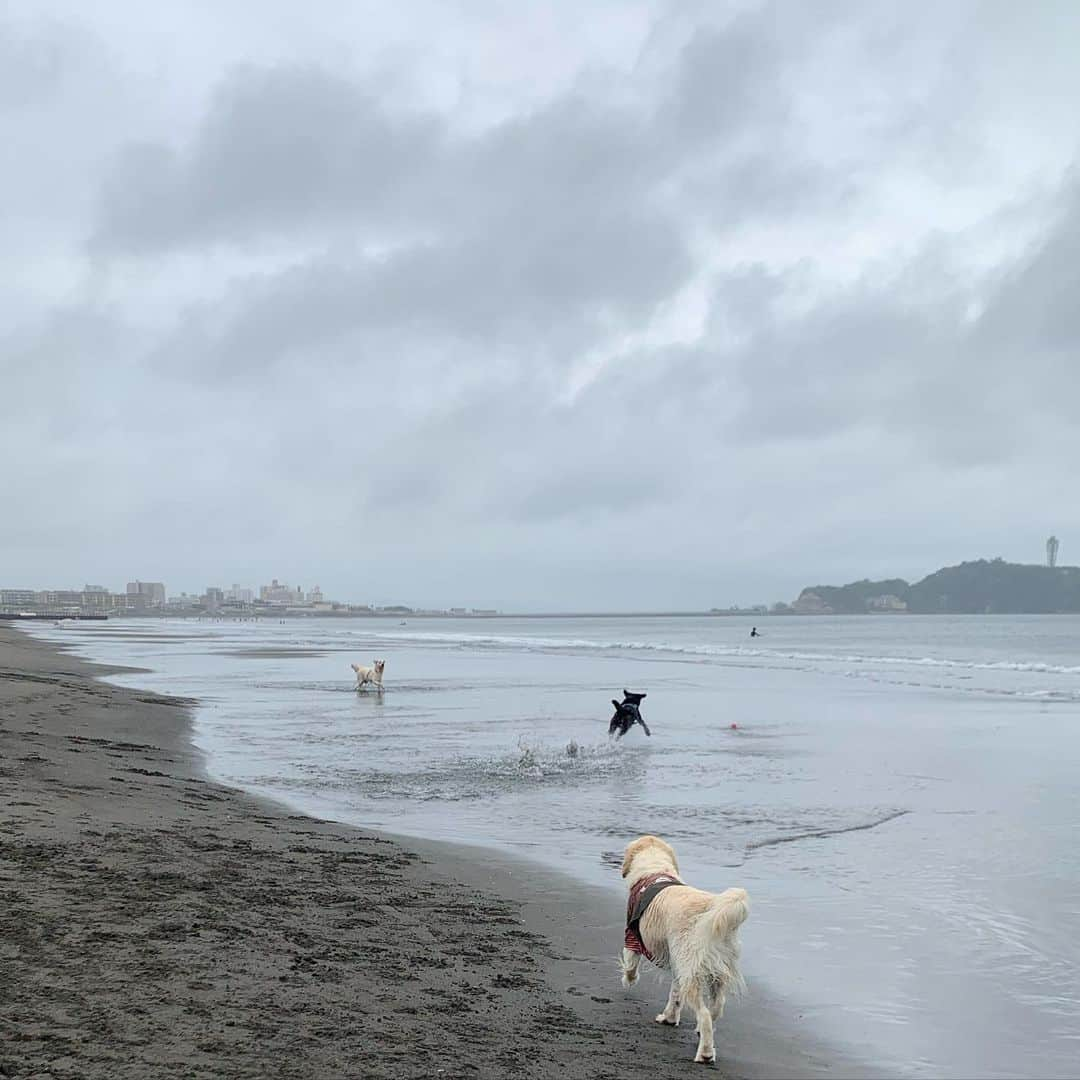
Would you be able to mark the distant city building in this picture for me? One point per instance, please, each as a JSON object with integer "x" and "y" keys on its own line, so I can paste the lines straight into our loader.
{"x": 61, "y": 600}
{"x": 277, "y": 593}
{"x": 18, "y": 599}
{"x": 93, "y": 600}
{"x": 185, "y": 601}
{"x": 151, "y": 593}
{"x": 98, "y": 601}
{"x": 148, "y": 598}
{"x": 888, "y": 602}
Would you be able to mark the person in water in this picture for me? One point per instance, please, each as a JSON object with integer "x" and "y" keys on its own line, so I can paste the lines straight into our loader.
{"x": 753, "y": 632}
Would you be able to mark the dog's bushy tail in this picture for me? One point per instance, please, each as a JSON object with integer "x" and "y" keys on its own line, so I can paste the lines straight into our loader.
{"x": 729, "y": 912}
{"x": 717, "y": 943}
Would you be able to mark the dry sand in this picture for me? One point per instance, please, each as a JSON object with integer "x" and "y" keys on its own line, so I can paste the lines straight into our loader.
{"x": 154, "y": 924}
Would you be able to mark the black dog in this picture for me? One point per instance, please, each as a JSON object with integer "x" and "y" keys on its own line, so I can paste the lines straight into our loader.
{"x": 627, "y": 714}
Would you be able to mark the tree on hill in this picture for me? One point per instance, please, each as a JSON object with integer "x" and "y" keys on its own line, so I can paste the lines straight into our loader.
{"x": 994, "y": 586}
{"x": 854, "y": 599}
{"x": 984, "y": 586}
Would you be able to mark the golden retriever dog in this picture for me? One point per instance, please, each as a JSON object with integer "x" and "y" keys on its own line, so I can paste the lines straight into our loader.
{"x": 371, "y": 675}
{"x": 691, "y": 933}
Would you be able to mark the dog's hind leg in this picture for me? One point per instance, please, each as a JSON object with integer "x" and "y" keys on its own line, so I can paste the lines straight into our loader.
{"x": 629, "y": 962}
{"x": 671, "y": 1012}
{"x": 706, "y": 1050}
{"x": 616, "y": 722}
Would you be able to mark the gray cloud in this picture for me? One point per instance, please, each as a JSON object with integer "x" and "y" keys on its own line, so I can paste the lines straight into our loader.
{"x": 35, "y": 58}
{"x": 289, "y": 147}
{"x": 762, "y": 296}
{"x": 278, "y": 148}
{"x": 885, "y": 354}
{"x": 729, "y": 80}
{"x": 1034, "y": 303}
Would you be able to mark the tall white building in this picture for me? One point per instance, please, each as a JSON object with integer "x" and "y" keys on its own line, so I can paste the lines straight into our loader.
{"x": 150, "y": 593}
{"x": 278, "y": 593}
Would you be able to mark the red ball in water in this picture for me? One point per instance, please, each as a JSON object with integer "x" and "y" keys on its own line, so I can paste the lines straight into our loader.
{"x": 734, "y": 727}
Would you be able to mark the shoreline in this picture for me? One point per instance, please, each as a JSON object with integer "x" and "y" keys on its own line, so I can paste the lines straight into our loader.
{"x": 156, "y": 923}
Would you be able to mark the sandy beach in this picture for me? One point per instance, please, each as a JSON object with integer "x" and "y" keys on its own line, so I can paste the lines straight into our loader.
{"x": 155, "y": 924}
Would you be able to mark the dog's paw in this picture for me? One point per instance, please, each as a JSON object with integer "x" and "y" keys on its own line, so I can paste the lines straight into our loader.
{"x": 702, "y": 1059}
{"x": 663, "y": 1018}
{"x": 628, "y": 979}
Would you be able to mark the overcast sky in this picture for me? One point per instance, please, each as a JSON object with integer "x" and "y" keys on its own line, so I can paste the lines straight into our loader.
{"x": 563, "y": 306}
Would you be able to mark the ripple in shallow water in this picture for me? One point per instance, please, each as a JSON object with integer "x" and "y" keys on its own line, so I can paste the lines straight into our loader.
{"x": 530, "y": 765}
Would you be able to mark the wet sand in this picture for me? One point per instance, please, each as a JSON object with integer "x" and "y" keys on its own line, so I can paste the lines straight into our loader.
{"x": 155, "y": 924}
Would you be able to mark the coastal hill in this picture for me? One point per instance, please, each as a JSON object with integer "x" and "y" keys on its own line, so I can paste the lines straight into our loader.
{"x": 985, "y": 586}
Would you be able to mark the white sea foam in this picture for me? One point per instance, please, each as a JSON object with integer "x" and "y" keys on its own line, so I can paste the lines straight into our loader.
{"x": 515, "y": 641}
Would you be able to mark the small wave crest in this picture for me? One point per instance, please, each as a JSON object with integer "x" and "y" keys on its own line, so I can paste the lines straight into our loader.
{"x": 705, "y": 650}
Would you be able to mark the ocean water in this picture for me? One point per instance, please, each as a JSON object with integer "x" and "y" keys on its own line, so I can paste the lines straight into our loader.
{"x": 900, "y": 795}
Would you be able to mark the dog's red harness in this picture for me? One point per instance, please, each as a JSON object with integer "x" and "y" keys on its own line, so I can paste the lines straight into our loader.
{"x": 642, "y": 894}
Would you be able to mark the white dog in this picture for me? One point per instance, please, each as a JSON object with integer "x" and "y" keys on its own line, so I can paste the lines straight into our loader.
{"x": 371, "y": 675}
{"x": 691, "y": 932}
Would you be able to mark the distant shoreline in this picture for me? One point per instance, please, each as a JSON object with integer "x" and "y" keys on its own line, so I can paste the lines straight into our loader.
{"x": 270, "y": 616}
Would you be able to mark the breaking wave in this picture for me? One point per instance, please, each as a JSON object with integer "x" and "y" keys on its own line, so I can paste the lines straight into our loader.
{"x": 736, "y": 652}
